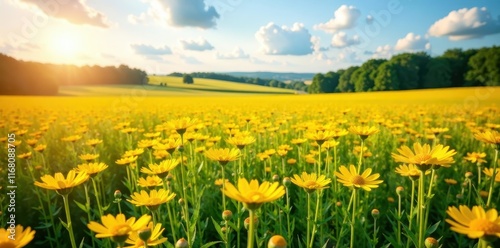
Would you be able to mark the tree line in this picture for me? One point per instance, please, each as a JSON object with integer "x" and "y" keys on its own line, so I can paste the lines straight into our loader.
{"x": 454, "y": 68}
{"x": 33, "y": 78}
{"x": 295, "y": 85}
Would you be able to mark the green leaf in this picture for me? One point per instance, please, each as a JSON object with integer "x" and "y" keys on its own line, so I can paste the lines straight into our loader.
{"x": 210, "y": 244}
{"x": 218, "y": 228}
{"x": 82, "y": 207}
{"x": 64, "y": 224}
{"x": 432, "y": 229}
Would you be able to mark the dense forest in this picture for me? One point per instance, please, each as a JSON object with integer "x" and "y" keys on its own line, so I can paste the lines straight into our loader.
{"x": 32, "y": 78}
{"x": 455, "y": 68}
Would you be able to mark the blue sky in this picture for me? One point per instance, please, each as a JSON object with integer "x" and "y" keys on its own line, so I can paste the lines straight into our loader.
{"x": 163, "y": 36}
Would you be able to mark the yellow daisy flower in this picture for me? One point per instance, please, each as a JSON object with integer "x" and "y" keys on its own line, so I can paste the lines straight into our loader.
{"x": 489, "y": 172}
{"x": 118, "y": 228}
{"x": 363, "y": 131}
{"x": 162, "y": 168}
{"x": 311, "y": 182}
{"x": 93, "y": 142}
{"x": 490, "y": 137}
{"x": 88, "y": 157}
{"x": 240, "y": 141}
{"x": 91, "y": 168}
{"x": 319, "y": 136}
{"x": 351, "y": 178}
{"x": 62, "y": 185}
{"x": 182, "y": 124}
{"x": 151, "y": 200}
{"x": 253, "y": 195}
{"x": 409, "y": 170}
{"x": 135, "y": 241}
{"x": 476, "y": 157}
{"x": 40, "y": 148}
{"x": 223, "y": 155}
{"x": 475, "y": 222}
{"x": 22, "y": 238}
{"x": 424, "y": 157}
{"x": 150, "y": 181}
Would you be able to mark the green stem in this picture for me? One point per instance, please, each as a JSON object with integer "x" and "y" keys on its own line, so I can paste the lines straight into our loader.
{"x": 353, "y": 217}
{"x": 492, "y": 182}
{"x": 68, "y": 221}
{"x": 318, "y": 170}
{"x": 223, "y": 188}
{"x": 51, "y": 219}
{"x": 360, "y": 161}
{"x": 308, "y": 237}
{"x": 420, "y": 203}
{"x": 97, "y": 197}
{"x": 251, "y": 229}
{"x": 399, "y": 219}
{"x": 289, "y": 233}
{"x": 87, "y": 206}
{"x": 316, "y": 215}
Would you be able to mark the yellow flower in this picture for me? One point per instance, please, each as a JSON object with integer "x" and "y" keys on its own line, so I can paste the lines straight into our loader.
{"x": 126, "y": 160}
{"x": 181, "y": 125}
{"x": 135, "y": 241}
{"x": 311, "y": 182}
{"x": 489, "y": 172}
{"x": 319, "y": 136}
{"x": 240, "y": 141}
{"x": 148, "y": 143}
{"x": 363, "y": 131}
{"x": 298, "y": 141}
{"x": 118, "y": 228}
{"x": 253, "y": 195}
{"x": 22, "y": 237}
{"x": 73, "y": 138}
{"x": 91, "y": 168}
{"x": 24, "y": 155}
{"x": 161, "y": 169}
{"x": 219, "y": 182}
{"x": 40, "y": 148}
{"x": 475, "y": 223}
{"x": 490, "y": 137}
{"x": 62, "y": 185}
{"x": 351, "y": 178}
{"x": 131, "y": 153}
{"x": 450, "y": 181}
{"x": 150, "y": 181}
{"x": 88, "y": 157}
{"x": 410, "y": 170}
{"x": 223, "y": 155}
{"x": 476, "y": 157}
{"x": 424, "y": 157}
{"x": 151, "y": 200}
{"x": 437, "y": 130}
{"x": 93, "y": 142}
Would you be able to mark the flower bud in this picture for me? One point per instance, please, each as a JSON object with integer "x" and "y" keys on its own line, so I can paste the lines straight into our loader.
{"x": 276, "y": 241}
{"x": 287, "y": 182}
{"x": 399, "y": 189}
{"x": 181, "y": 243}
{"x": 468, "y": 174}
{"x": 181, "y": 201}
{"x": 375, "y": 213}
{"x": 118, "y": 194}
{"x": 227, "y": 215}
{"x": 276, "y": 178}
{"x": 431, "y": 242}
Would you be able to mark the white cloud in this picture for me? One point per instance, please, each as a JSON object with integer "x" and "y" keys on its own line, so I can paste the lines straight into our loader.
{"x": 189, "y": 13}
{"x": 282, "y": 40}
{"x": 316, "y": 41}
{"x": 383, "y": 52}
{"x": 344, "y": 17}
{"x": 75, "y": 11}
{"x": 349, "y": 56}
{"x": 143, "y": 49}
{"x": 340, "y": 40}
{"x": 412, "y": 42}
{"x": 237, "y": 53}
{"x": 466, "y": 24}
{"x": 196, "y": 45}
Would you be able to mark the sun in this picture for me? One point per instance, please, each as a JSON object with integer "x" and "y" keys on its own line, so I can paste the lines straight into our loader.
{"x": 65, "y": 45}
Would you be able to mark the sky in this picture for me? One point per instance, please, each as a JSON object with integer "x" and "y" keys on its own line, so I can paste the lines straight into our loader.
{"x": 164, "y": 36}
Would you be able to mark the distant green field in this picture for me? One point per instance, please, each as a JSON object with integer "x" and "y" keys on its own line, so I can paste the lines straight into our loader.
{"x": 174, "y": 87}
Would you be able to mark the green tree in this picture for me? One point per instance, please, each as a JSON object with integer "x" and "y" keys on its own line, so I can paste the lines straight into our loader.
{"x": 458, "y": 60}
{"x": 485, "y": 67}
{"x": 364, "y": 77}
{"x": 345, "y": 82}
{"x": 187, "y": 79}
{"x": 315, "y": 86}
{"x": 439, "y": 73}
{"x": 387, "y": 77}
{"x": 411, "y": 70}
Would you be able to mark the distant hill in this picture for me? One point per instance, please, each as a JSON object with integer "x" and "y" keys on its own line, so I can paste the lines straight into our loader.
{"x": 282, "y": 76}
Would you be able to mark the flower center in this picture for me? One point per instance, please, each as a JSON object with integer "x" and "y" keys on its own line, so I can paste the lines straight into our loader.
{"x": 255, "y": 196}
{"x": 488, "y": 227}
{"x": 422, "y": 158}
{"x": 358, "y": 180}
{"x": 120, "y": 230}
{"x": 310, "y": 184}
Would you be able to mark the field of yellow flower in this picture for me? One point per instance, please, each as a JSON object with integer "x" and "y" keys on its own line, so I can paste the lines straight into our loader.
{"x": 405, "y": 169}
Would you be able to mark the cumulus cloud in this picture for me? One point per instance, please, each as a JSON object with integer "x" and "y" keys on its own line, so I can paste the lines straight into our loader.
{"x": 316, "y": 41}
{"x": 148, "y": 50}
{"x": 344, "y": 17}
{"x": 383, "y": 52}
{"x": 76, "y": 11}
{"x": 465, "y": 24}
{"x": 283, "y": 40}
{"x": 412, "y": 42}
{"x": 196, "y": 45}
{"x": 182, "y": 13}
{"x": 340, "y": 40}
{"x": 237, "y": 53}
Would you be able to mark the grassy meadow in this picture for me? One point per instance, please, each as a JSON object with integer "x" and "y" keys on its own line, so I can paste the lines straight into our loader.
{"x": 181, "y": 155}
